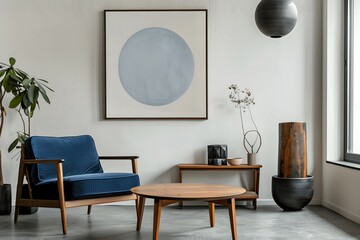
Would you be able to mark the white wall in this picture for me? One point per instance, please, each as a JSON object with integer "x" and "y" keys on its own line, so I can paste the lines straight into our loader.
{"x": 340, "y": 184}
{"x": 62, "y": 41}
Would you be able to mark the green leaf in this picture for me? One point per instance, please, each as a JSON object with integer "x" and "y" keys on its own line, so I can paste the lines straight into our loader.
{"x": 21, "y": 73}
{"x": 26, "y": 111}
{"x": 6, "y": 84}
{"x": 22, "y": 138}
{"x": 36, "y": 94}
{"x": 13, "y": 83}
{"x": 25, "y": 103}
{"x": 43, "y": 80}
{"x": 30, "y": 93}
{"x": 13, "y": 145}
{"x": 40, "y": 87}
{"x": 42, "y": 84}
{"x": 26, "y": 82}
{"x": 12, "y": 61}
{"x": 32, "y": 109}
{"x": 46, "y": 98}
{"x": 2, "y": 72}
{"x": 16, "y": 101}
{"x": 15, "y": 77}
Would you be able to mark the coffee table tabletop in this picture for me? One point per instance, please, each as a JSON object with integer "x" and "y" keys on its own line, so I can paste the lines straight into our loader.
{"x": 169, "y": 193}
{"x": 188, "y": 191}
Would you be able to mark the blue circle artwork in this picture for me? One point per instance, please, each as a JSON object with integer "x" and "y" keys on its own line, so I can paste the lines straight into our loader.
{"x": 156, "y": 66}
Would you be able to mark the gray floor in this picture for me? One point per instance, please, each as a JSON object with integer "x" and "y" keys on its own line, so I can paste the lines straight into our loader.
{"x": 118, "y": 222}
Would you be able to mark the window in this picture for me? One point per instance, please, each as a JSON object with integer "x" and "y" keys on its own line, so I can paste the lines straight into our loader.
{"x": 352, "y": 81}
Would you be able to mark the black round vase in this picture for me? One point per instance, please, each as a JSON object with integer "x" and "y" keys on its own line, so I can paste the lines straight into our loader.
{"x": 292, "y": 194}
{"x": 5, "y": 199}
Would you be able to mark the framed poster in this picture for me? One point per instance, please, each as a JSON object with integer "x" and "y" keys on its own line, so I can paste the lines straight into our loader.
{"x": 156, "y": 64}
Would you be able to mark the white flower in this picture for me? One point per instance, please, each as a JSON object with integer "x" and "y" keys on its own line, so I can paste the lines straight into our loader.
{"x": 240, "y": 101}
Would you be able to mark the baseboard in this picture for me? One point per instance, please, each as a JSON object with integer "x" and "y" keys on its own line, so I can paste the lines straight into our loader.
{"x": 266, "y": 202}
{"x": 341, "y": 211}
{"x": 315, "y": 202}
{"x": 271, "y": 202}
{"x": 260, "y": 202}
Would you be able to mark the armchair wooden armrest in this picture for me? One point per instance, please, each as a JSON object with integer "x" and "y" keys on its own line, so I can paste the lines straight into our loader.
{"x": 132, "y": 158}
{"x": 43, "y": 161}
{"x": 59, "y": 171}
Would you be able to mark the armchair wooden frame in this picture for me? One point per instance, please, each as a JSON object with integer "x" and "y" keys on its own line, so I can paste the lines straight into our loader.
{"x": 61, "y": 202}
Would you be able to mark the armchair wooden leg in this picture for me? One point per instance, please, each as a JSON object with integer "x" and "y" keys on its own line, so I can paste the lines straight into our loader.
{"x": 16, "y": 216}
{"x": 89, "y": 210}
{"x": 137, "y": 203}
{"x": 63, "y": 219}
{"x": 140, "y": 211}
{"x": 62, "y": 205}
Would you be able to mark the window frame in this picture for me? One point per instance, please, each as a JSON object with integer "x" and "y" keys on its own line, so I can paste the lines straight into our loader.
{"x": 348, "y": 74}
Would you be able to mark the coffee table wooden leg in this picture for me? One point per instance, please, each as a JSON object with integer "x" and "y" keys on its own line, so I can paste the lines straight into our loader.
{"x": 157, "y": 215}
{"x": 212, "y": 214}
{"x": 232, "y": 215}
{"x": 140, "y": 212}
{"x": 230, "y": 204}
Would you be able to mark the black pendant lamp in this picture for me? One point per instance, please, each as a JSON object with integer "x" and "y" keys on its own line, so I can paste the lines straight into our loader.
{"x": 276, "y": 18}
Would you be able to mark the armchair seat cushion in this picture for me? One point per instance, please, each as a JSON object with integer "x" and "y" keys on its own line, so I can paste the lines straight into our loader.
{"x": 88, "y": 186}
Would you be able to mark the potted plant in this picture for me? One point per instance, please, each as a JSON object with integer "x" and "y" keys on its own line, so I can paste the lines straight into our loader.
{"x": 251, "y": 138}
{"x": 25, "y": 91}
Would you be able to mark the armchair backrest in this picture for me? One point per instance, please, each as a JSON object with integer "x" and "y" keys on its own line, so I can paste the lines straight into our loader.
{"x": 78, "y": 152}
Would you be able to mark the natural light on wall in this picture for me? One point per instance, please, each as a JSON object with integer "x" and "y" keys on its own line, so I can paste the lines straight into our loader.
{"x": 356, "y": 79}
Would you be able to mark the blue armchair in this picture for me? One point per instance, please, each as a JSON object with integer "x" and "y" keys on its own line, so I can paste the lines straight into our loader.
{"x": 65, "y": 172}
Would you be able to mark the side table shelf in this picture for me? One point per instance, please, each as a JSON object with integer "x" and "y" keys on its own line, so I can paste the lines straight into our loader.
{"x": 250, "y": 194}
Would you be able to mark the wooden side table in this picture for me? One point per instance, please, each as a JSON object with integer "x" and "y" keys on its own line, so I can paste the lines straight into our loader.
{"x": 250, "y": 194}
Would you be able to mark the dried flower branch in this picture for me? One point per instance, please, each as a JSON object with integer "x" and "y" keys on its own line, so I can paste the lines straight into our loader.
{"x": 243, "y": 100}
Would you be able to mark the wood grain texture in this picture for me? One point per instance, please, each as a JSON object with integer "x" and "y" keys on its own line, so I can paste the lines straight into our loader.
{"x": 188, "y": 191}
{"x": 169, "y": 193}
{"x": 205, "y": 167}
{"x": 292, "y": 161}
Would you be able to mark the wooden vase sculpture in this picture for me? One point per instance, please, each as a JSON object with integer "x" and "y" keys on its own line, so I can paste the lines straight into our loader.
{"x": 292, "y": 162}
{"x": 292, "y": 188}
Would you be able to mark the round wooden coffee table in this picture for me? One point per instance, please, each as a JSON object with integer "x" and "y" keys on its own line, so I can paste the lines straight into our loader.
{"x": 169, "y": 193}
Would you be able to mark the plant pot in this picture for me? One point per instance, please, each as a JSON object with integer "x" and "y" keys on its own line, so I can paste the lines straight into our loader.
{"x": 5, "y": 199}
{"x": 292, "y": 194}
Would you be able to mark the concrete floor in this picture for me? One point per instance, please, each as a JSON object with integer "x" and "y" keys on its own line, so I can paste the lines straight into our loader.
{"x": 119, "y": 222}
